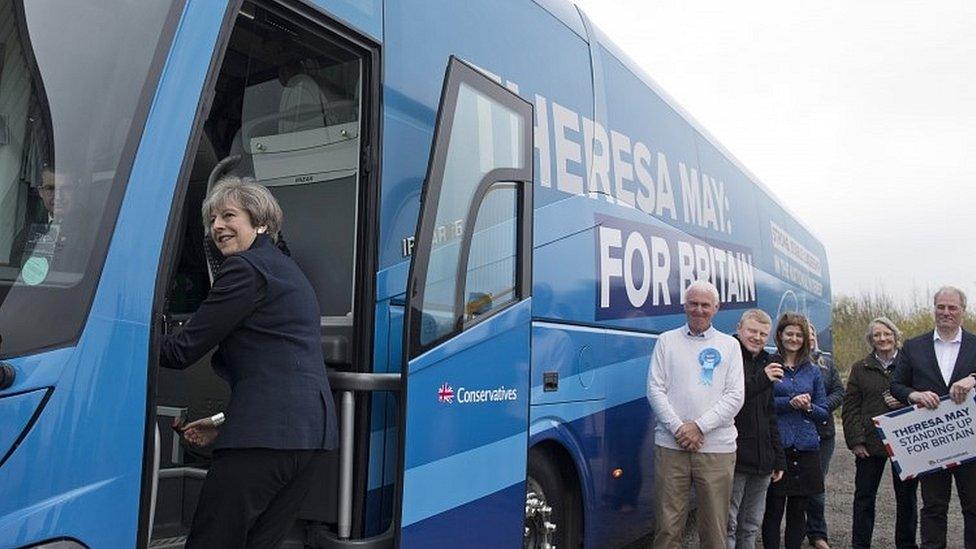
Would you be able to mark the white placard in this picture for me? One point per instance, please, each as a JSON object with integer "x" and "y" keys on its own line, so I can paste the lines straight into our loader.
{"x": 920, "y": 440}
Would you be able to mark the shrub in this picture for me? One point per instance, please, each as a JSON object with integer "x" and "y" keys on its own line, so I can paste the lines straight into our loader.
{"x": 853, "y": 312}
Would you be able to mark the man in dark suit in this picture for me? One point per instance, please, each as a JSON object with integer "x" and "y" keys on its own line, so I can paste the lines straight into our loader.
{"x": 34, "y": 230}
{"x": 933, "y": 364}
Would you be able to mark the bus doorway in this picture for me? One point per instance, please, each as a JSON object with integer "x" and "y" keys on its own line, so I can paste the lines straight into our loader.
{"x": 292, "y": 108}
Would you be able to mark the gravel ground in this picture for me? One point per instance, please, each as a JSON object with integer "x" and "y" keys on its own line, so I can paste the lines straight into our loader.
{"x": 840, "y": 497}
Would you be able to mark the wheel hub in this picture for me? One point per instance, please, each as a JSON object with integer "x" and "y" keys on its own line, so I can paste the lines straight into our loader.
{"x": 539, "y": 528}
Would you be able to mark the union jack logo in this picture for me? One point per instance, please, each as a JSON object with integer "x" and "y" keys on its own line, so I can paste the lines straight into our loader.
{"x": 445, "y": 394}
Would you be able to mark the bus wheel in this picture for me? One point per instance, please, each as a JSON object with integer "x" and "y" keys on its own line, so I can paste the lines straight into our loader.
{"x": 551, "y": 507}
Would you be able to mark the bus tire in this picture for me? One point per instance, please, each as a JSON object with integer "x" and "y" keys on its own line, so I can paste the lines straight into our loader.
{"x": 553, "y": 513}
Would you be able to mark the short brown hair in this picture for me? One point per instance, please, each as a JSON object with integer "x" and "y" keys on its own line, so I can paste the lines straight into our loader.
{"x": 800, "y": 321}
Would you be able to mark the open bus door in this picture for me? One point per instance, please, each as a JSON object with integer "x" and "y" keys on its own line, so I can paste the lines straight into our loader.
{"x": 467, "y": 324}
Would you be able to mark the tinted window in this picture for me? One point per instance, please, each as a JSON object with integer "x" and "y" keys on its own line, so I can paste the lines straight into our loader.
{"x": 73, "y": 89}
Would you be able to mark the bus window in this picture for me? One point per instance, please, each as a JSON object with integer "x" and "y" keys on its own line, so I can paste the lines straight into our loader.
{"x": 287, "y": 112}
{"x": 491, "y": 277}
{"x": 67, "y": 116}
{"x": 485, "y": 135}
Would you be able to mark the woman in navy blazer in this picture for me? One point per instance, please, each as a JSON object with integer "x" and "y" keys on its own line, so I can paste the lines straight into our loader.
{"x": 263, "y": 317}
{"x": 801, "y": 403}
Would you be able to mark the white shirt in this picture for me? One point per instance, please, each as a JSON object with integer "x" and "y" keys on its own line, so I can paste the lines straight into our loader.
{"x": 886, "y": 363}
{"x": 946, "y": 353}
{"x": 696, "y": 378}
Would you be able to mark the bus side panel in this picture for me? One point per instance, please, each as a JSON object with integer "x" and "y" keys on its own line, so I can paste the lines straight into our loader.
{"x": 469, "y": 524}
{"x": 363, "y": 15}
{"x": 798, "y": 264}
{"x": 664, "y": 207}
{"x": 614, "y": 431}
{"x": 87, "y": 438}
{"x": 791, "y": 266}
{"x": 700, "y": 208}
{"x": 658, "y": 159}
{"x": 550, "y": 68}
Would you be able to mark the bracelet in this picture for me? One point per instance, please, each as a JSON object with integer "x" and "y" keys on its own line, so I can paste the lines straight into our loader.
{"x": 217, "y": 419}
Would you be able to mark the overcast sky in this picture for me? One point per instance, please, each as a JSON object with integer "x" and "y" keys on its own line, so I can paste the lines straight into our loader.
{"x": 860, "y": 116}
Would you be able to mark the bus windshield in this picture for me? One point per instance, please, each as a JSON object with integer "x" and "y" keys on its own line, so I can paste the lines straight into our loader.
{"x": 75, "y": 78}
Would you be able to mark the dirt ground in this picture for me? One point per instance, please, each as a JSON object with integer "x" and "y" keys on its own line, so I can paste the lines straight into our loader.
{"x": 840, "y": 497}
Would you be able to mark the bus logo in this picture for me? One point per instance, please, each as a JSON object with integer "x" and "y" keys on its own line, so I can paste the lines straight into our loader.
{"x": 445, "y": 394}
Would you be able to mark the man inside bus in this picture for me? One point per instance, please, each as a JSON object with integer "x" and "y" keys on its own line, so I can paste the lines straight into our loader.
{"x": 57, "y": 239}
{"x": 695, "y": 386}
{"x": 34, "y": 230}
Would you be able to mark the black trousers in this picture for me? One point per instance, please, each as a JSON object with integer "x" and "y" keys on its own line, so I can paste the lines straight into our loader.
{"x": 936, "y": 491}
{"x": 796, "y": 520}
{"x": 251, "y": 497}
{"x": 867, "y": 478}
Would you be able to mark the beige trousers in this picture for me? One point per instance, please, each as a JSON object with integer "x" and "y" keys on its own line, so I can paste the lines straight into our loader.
{"x": 675, "y": 472}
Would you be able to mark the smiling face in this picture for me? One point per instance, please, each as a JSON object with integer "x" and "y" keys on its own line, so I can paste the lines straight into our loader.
{"x": 792, "y": 338}
{"x": 882, "y": 339}
{"x": 753, "y": 334}
{"x": 231, "y": 229}
{"x": 948, "y": 312}
{"x": 700, "y": 307}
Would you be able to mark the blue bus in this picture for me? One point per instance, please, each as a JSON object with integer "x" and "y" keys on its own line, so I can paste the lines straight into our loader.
{"x": 498, "y": 212}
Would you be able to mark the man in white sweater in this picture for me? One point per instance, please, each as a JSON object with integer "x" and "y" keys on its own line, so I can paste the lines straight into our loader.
{"x": 695, "y": 386}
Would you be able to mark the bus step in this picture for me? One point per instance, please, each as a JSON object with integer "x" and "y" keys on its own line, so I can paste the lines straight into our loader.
{"x": 168, "y": 543}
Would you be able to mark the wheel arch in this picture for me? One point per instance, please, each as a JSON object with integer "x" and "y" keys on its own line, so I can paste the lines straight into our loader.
{"x": 558, "y": 444}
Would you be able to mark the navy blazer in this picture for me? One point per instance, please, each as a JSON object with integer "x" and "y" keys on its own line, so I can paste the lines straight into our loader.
{"x": 917, "y": 369}
{"x": 263, "y": 315}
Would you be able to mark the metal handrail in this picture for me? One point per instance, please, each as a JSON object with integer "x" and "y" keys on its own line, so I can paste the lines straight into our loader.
{"x": 347, "y": 384}
{"x": 364, "y": 382}
{"x": 183, "y": 472}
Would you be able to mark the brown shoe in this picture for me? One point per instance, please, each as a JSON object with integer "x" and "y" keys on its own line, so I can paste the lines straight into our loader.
{"x": 821, "y": 544}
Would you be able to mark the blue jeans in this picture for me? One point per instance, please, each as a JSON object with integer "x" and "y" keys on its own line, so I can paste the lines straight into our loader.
{"x": 746, "y": 509}
{"x": 816, "y": 523}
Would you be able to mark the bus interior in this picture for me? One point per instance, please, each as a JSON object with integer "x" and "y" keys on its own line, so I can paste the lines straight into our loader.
{"x": 286, "y": 111}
